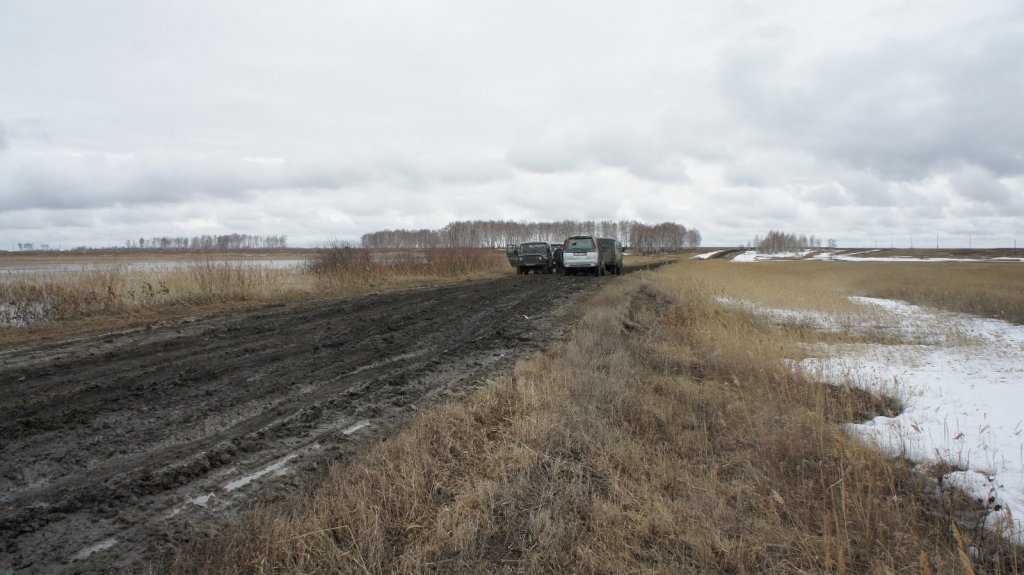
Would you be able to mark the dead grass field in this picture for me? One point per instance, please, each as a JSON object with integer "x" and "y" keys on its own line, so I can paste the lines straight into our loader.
{"x": 71, "y": 294}
{"x": 665, "y": 436}
{"x": 954, "y": 253}
{"x": 128, "y": 256}
{"x": 985, "y": 289}
{"x": 95, "y": 292}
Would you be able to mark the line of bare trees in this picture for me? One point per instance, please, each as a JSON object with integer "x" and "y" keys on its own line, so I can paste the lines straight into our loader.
{"x": 779, "y": 242}
{"x": 29, "y": 247}
{"x": 208, "y": 242}
{"x": 499, "y": 233}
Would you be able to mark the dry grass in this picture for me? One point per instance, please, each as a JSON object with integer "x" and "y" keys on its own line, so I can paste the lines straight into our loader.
{"x": 990, "y": 290}
{"x": 115, "y": 294}
{"x": 986, "y": 289}
{"x": 346, "y": 268}
{"x": 36, "y": 297}
{"x": 665, "y": 436}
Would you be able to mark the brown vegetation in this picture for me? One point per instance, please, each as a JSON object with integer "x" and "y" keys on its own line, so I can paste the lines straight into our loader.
{"x": 986, "y": 289}
{"x": 107, "y": 292}
{"x": 940, "y": 253}
{"x": 347, "y": 267}
{"x": 664, "y": 436}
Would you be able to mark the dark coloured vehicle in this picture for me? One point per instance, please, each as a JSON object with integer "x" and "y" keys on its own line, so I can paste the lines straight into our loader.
{"x": 581, "y": 254}
{"x": 611, "y": 255}
{"x": 531, "y": 256}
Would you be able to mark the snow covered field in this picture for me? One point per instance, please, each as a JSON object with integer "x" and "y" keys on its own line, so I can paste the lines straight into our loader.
{"x": 754, "y": 256}
{"x": 961, "y": 381}
{"x": 860, "y": 257}
{"x": 963, "y": 393}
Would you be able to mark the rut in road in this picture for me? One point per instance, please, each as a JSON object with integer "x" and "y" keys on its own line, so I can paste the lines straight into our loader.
{"x": 110, "y": 444}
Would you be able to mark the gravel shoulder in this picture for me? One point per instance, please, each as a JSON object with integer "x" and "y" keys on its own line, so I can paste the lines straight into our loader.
{"x": 113, "y": 447}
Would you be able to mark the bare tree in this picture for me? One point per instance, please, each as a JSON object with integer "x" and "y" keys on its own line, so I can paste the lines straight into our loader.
{"x": 779, "y": 242}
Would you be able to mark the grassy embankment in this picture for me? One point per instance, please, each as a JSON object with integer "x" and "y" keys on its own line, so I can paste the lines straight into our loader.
{"x": 108, "y": 291}
{"x": 665, "y": 436}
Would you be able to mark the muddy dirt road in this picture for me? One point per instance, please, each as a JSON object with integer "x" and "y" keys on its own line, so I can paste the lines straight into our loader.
{"x": 114, "y": 447}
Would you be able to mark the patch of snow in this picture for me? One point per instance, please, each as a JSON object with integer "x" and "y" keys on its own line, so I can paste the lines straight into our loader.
{"x": 277, "y": 467}
{"x": 708, "y": 255}
{"x": 754, "y": 256}
{"x": 823, "y": 322}
{"x": 849, "y": 258}
{"x": 962, "y": 397}
{"x": 356, "y": 427}
{"x": 856, "y": 257}
{"x": 202, "y": 500}
{"x": 95, "y": 548}
{"x": 747, "y": 256}
{"x": 833, "y": 256}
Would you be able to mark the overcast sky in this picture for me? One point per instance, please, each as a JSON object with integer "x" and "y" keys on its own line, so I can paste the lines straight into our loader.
{"x": 869, "y": 122}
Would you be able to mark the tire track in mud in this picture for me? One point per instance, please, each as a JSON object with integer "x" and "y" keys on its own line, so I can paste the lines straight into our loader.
{"x": 113, "y": 447}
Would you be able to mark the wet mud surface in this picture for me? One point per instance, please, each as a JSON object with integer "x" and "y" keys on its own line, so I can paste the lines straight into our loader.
{"x": 114, "y": 447}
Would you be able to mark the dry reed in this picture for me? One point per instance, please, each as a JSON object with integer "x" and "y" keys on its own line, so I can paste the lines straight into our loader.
{"x": 111, "y": 290}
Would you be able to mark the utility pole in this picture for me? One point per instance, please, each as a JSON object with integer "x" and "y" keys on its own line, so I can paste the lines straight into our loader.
{"x": 970, "y": 243}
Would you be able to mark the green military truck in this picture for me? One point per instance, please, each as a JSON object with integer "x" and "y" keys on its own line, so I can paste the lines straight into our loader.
{"x": 537, "y": 257}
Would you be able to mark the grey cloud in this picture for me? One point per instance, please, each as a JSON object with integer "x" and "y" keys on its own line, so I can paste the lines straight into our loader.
{"x": 471, "y": 171}
{"x": 392, "y": 116}
{"x": 29, "y": 130}
{"x": 741, "y": 173}
{"x": 753, "y": 80}
{"x": 420, "y": 172}
{"x": 661, "y": 168}
{"x": 902, "y": 109}
{"x": 548, "y": 155}
{"x": 72, "y": 181}
{"x": 925, "y": 213}
{"x": 865, "y": 189}
{"x": 827, "y": 194}
{"x": 642, "y": 154}
{"x": 978, "y": 184}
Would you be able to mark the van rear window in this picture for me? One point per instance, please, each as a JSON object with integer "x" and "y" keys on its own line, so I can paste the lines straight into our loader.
{"x": 581, "y": 245}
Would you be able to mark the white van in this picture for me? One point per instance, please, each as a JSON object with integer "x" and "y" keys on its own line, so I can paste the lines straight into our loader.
{"x": 581, "y": 254}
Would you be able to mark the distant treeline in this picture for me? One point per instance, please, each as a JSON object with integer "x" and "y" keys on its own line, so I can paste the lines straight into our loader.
{"x": 499, "y": 233}
{"x": 779, "y": 242}
{"x": 225, "y": 242}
